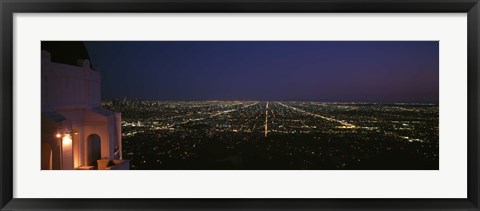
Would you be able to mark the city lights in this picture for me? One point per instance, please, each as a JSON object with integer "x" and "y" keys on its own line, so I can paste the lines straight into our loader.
{"x": 278, "y": 135}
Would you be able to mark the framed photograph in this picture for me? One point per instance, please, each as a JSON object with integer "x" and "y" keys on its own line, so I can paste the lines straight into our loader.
{"x": 227, "y": 105}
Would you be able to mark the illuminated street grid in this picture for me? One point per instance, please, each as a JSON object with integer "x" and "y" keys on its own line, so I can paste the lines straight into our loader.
{"x": 278, "y": 135}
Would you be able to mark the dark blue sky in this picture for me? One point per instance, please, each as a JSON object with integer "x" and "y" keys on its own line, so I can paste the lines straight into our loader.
{"x": 373, "y": 71}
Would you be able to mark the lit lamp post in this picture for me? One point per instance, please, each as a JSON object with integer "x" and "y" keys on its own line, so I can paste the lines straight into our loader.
{"x": 59, "y": 136}
{"x": 65, "y": 139}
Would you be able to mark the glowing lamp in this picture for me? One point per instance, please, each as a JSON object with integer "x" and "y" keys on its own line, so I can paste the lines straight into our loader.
{"x": 58, "y": 135}
{"x": 67, "y": 139}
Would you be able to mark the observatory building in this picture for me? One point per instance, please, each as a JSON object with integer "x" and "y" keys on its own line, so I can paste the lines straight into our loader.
{"x": 76, "y": 132}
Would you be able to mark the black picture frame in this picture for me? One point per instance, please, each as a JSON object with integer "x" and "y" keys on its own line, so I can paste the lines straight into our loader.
{"x": 9, "y": 7}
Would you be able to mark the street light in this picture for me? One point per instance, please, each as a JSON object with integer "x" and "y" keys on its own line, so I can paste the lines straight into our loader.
{"x": 65, "y": 139}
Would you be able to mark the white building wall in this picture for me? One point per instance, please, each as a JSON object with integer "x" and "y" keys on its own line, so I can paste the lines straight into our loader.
{"x": 74, "y": 92}
{"x": 69, "y": 87}
{"x": 119, "y": 135}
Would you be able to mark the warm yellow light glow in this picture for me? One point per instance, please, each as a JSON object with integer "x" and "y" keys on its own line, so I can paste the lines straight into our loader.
{"x": 58, "y": 135}
{"x": 67, "y": 140}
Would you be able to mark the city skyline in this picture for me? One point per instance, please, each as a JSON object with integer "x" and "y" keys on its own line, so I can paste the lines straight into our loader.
{"x": 316, "y": 71}
{"x": 277, "y": 135}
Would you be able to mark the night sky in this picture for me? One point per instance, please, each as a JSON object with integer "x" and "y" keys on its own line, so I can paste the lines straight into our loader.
{"x": 374, "y": 71}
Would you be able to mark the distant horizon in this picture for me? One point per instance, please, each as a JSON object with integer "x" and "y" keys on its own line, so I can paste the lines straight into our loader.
{"x": 309, "y": 101}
